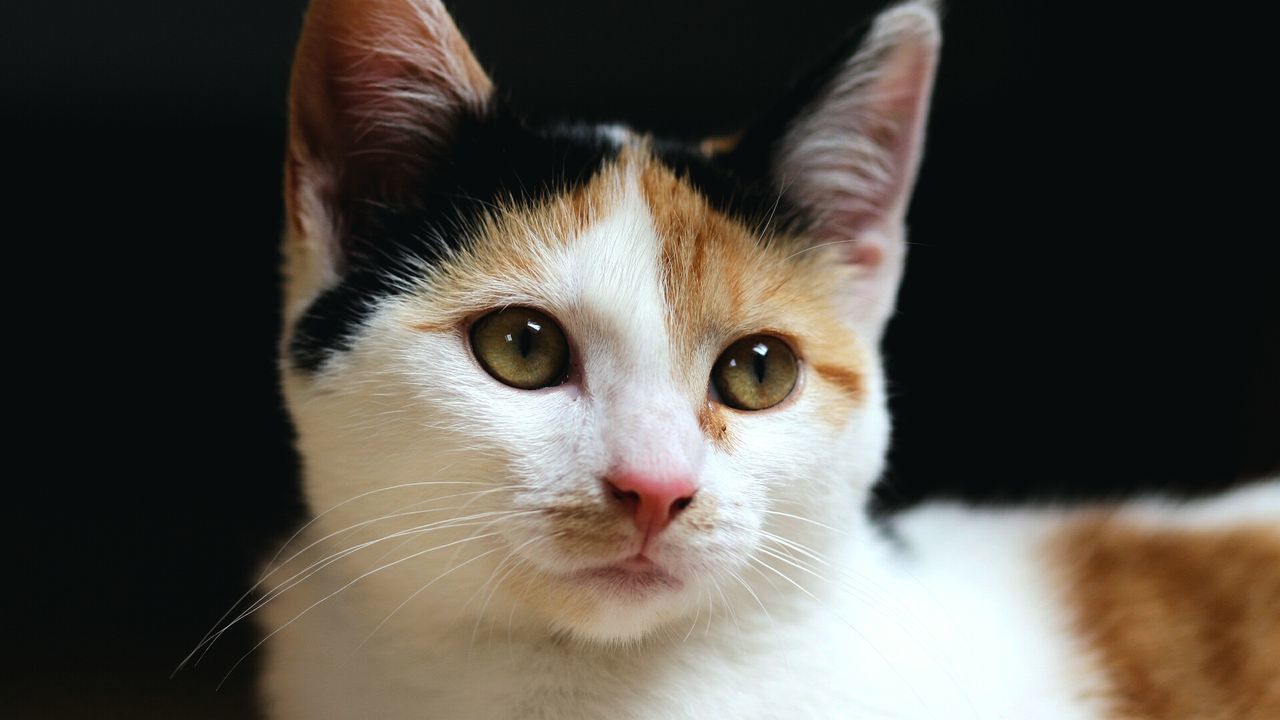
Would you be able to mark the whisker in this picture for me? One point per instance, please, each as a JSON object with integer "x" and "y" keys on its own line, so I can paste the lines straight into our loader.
{"x": 694, "y": 624}
{"x": 476, "y": 495}
{"x": 818, "y": 246}
{"x": 271, "y": 562}
{"x": 419, "y": 591}
{"x": 319, "y": 565}
{"x": 520, "y": 564}
{"x": 400, "y": 512}
{"x": 793, "y": 564}
{"x": 313, "y": 605}
{"x": 295, "y": 580}
{"x": 733, "y": 614}
{"x": 865, "y": 589}
{"x": 883, "y": 658}
{"x": 480, "y": 615}
{"x": 742, "y": 581}
{"x": 804, "y": 519}
{"x": 361, "y": 496}
{"x": 798, "y": 547}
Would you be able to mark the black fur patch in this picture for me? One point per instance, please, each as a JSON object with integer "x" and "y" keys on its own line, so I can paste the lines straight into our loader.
{"x": 740, "y": 182}
{"x": 737, "y": 185}
{"x": 488, "y": 158}
{"x": 496, "y": 156}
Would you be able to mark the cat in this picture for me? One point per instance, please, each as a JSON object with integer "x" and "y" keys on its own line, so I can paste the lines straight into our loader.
{"x": 589, "y": 419}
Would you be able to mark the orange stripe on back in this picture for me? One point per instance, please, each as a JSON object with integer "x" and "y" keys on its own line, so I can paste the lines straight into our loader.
{"x": 1185, "y": 624}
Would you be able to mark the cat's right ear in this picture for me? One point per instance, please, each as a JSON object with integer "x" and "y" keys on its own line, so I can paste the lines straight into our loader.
{"x": 376, "y": 89}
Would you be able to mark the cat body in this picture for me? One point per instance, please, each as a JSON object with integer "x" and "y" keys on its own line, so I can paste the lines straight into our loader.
{"x": 957, "y": 613}
{"x": 589, "y": 419}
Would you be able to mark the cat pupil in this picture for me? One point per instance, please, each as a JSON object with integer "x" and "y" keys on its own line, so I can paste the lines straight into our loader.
{"x": 526, "y": 339}
{"x": 760, "y": 351}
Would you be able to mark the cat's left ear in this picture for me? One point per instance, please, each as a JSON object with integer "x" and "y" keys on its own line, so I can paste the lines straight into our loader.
{"x": 848, "y": 158}
{"x": 377, "y": 88}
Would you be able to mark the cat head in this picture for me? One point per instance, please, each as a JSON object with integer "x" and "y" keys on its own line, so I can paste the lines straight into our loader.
{"x": 601, "y": 377}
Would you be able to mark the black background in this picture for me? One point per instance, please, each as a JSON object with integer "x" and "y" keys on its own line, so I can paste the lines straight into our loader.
{"x": 1088, "y": 309}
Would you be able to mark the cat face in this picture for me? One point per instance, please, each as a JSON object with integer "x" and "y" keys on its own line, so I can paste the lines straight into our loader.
{"x": 581, "y": 377}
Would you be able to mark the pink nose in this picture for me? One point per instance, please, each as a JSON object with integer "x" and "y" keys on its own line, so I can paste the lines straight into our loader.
{"x": 652, "y": 500}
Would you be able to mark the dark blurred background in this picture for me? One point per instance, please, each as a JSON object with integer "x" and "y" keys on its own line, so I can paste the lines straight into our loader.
{"x": 1088, "y": 309}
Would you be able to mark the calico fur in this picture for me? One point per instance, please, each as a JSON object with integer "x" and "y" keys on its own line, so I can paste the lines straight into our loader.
{"x": 453, "y": 518}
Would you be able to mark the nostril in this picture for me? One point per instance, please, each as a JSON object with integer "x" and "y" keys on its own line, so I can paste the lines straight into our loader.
{"x": 681, "y": 504}
{"x": 629, "y": 498}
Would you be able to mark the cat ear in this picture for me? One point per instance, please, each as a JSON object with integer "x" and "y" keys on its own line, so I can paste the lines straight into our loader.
{"x": 848, "y": 159}
{"x": 377, "y": 86}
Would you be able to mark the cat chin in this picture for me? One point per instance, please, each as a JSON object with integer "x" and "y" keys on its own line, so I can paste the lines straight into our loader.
{"x": 606, "y": 606}
{"x": 621, "y": 623}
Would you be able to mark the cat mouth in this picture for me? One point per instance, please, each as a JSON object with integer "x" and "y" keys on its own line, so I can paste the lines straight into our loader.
{"x": 636, "y": 575}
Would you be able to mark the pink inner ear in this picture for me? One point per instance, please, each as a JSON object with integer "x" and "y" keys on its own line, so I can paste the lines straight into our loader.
{"x": 851, "y": 159}
{"x": 866, "y": 254}
{"x": 375, "y": 83}
{"x": 902, "y": 98}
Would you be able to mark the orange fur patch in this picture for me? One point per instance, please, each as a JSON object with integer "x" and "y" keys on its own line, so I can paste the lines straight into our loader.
{"x": 724, "y": 280}
{"x": 701, "y": 515}
{"x": 720, "y": 144}
{"x": 846, "y": 378}
{"x": 713, "y": 423}
{"x": 588, "y": 528}
{"x": 506, "y": 239}
{"x": 1185, "y": 624}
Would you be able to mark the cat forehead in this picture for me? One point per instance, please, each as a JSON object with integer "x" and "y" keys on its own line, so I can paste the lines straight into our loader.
{"x": 506, "y": 194}
{"x": 652, "y": 282}
{"x": 636, "y": 224}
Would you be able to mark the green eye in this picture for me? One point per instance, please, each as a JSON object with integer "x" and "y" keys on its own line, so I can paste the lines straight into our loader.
{"x": 521, "y": 347}
{"x": 755, "y": 372}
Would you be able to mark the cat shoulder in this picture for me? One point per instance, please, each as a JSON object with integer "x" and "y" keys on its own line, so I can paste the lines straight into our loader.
{"x": 1153, "y": 608}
